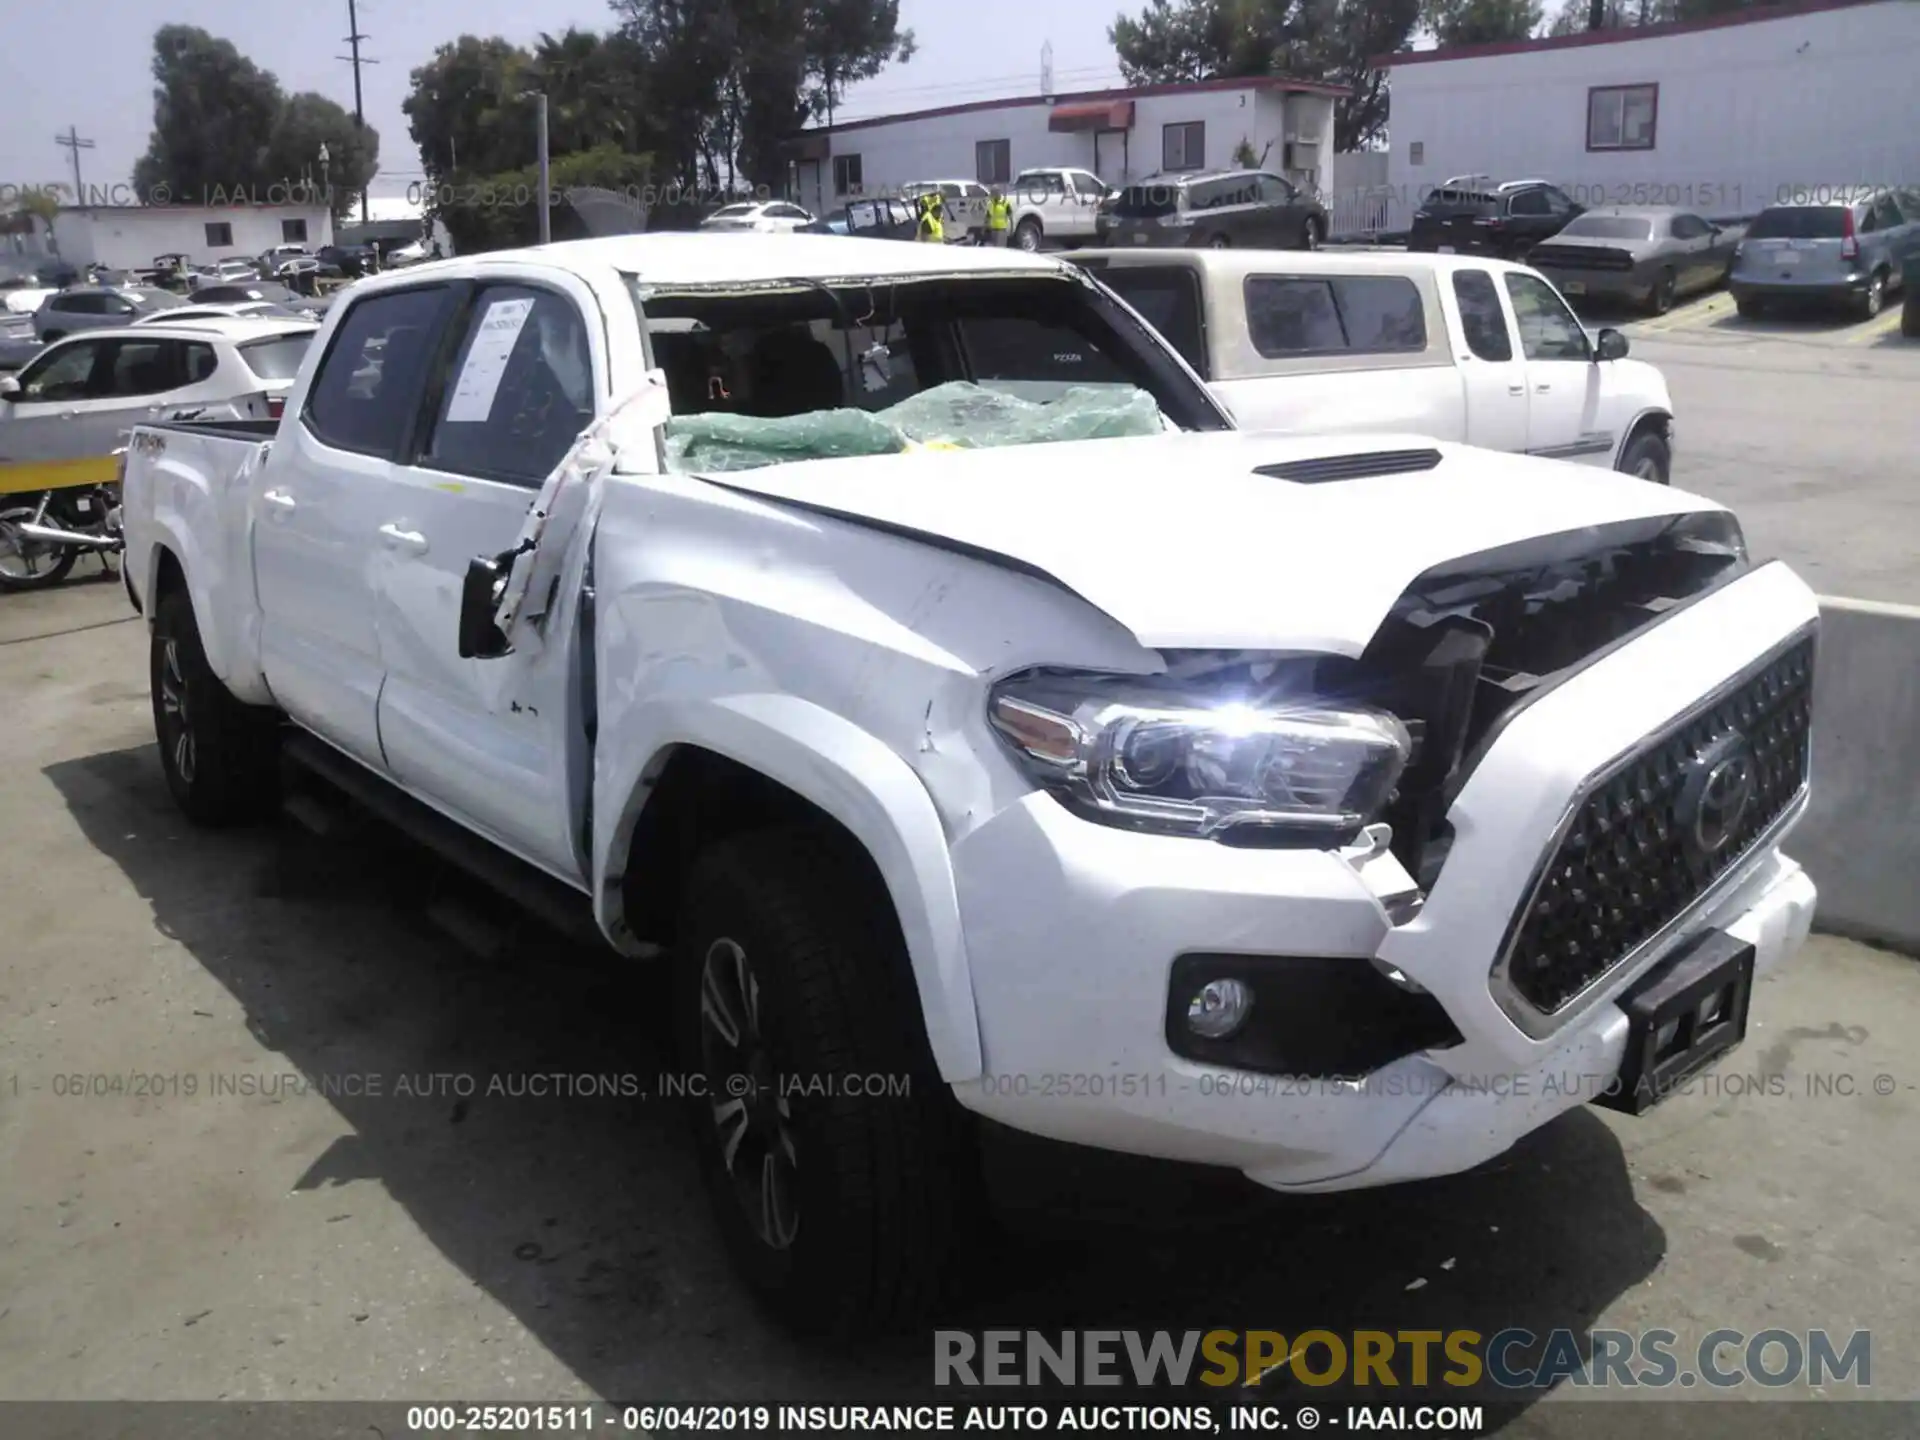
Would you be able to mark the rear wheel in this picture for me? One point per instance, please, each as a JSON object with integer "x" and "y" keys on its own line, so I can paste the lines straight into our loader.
{"x": 221, "y": 756}
{"x": 1648, "y": 457}
{"x": 844, "y": 1209}
{"x": 1027, "y": 234}
{"x": 1874, "y": 298}
{"x": 29, "y": 564}
{"x": 1660, "y": 299}
{"x": 1311, "y": 234}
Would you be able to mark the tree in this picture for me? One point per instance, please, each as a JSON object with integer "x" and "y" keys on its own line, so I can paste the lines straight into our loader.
{"x": 1334, "y": 41}
{"x": 1480, "y": 22}
{"x": 465, "y": 109}
{"x": 213, "y": 111}
{"x": 305, "y": 123}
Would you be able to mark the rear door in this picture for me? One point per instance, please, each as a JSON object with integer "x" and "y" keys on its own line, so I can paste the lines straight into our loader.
{"x": 39, "y": 423}
{"x": 1493, "y": 371}
{"x": 479, "y": 738}
{"x": 329, "y": 487}
{"x": 1563, "y": 382}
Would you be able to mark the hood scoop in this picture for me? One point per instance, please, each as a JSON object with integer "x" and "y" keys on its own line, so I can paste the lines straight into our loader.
{"x": 1323, "y": 469}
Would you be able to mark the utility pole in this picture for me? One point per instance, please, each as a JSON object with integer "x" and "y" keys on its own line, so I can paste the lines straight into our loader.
{"x": 546, "y": 194}
{"x": 72, "y": 142}
{"x": 359, "y": 112}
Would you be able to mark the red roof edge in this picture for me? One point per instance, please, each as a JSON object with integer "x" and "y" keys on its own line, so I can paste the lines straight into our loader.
{"x": 1183, "y": 87}
{"x": 1615, "y": 37}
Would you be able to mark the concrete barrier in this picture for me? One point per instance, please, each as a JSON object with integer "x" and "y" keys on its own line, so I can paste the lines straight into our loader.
{"x": 1860, "y": 839}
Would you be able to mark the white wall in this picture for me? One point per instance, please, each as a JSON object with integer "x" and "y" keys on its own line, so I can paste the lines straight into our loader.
{"x": 130, "y": 238}
{"x": 1746, "y": 112}
{"x": 941, "y": 147}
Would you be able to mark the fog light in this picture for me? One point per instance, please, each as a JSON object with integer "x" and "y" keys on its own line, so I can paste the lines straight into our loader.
{"x": 1219, "y": 1008}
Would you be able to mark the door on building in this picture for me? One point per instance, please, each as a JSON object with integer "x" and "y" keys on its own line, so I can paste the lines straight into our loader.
{"x": 810, "y": 192}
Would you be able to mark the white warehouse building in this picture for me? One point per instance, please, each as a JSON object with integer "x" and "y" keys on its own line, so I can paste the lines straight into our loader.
{"x": 1722, "y": 116}
{"x": 1120, "y": 135}
{"x": 129, "y": 237}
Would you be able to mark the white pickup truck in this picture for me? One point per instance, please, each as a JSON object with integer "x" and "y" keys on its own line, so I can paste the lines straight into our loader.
{"x": 1457, "y": 347}
{"x": 1334, "y": 810}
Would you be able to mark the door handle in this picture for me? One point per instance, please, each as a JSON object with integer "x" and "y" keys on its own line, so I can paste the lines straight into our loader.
{"x": 1516, "y": 389}
{"x": 1541, "y": 389}
{"x": 279, "y": 499}
{"x": 397, "y": 539}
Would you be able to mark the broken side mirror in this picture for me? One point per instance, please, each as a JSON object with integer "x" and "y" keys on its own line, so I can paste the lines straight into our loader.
{"x": 1612, "y": 345}
{"x": 480, "y": 637}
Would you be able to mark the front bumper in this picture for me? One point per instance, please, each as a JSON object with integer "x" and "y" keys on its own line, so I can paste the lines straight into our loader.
{"x": 1073, "y": 928}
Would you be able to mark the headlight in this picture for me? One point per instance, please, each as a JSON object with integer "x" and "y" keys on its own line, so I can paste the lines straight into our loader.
{"x": 1128, "y": 750}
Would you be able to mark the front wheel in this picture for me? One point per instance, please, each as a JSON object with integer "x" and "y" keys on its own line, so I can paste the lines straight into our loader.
{"x": 1027, "y": 235}
{"x": 221, "y": 756}
{"x": 29, "y": 564}
{"x": 1648, "y": 457}
{"x": 841, "y": 1169}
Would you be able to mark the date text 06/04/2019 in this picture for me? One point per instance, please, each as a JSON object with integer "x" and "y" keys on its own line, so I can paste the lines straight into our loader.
{"x": 1115, "y": 1419}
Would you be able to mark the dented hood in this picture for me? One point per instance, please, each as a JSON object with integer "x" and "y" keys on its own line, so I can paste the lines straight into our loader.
{"x": 1179, "y": 539}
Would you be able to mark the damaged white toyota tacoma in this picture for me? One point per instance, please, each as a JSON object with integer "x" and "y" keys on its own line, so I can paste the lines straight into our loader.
{"x": 900, "y": 644}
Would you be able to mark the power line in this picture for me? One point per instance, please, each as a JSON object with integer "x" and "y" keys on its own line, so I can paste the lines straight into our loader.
{"x": 72, "y": 142}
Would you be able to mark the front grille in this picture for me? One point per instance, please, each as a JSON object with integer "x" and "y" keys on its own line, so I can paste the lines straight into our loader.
{"x": 1638, "y": 852}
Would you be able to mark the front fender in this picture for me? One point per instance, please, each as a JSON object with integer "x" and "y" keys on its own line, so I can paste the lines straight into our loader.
{"x": 844, "y": 771}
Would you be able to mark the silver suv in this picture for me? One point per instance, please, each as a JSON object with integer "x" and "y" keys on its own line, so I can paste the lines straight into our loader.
{"x": 1849, "y": 252}
{"x": 98, "y": 307}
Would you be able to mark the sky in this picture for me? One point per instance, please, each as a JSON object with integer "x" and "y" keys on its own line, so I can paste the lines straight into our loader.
{"x": 968, "y": 50}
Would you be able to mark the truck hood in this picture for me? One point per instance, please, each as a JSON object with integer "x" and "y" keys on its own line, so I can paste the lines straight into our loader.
{"x": 1182, "y": 541}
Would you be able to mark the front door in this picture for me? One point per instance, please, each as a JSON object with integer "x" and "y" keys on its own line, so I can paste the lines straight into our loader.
{"x": 1563, "y": 382}
{"x": 487, "y": 739}
{"x": 316, "y": 529}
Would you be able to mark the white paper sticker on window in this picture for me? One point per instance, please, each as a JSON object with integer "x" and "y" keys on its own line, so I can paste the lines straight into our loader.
{"x": 479, "y": 379}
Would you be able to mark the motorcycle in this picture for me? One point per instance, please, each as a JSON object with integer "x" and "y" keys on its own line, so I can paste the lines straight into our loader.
{"x": 41, "y": 537}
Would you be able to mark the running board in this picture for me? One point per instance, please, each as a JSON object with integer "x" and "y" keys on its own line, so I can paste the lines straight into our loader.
{"x": 558, "y": 905}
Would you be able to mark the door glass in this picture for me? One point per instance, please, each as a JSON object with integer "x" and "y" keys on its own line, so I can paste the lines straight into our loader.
{"x": 1528, "y": 202}
{"x": 1345, "y": 314}
{"x": 520, "y": 391}
{"x": 145, "y": 367}
{"x": 1482, "y": 319}
{"x": 62, "y": 375}
{"x": 1168, "y": 299}
{"x": 369, "y": 380}
{"x": 1548, "y": 330}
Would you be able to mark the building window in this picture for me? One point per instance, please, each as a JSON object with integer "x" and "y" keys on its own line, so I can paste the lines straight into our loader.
{"x": 219, "y": 234}
{"x": 993, "y": 161}
{"x": 1417, "y": 153}
{"x": 1183, "y": 146}
{"x": 846, "y": 174}
{"x": 1622, "y": 117}
{"x": 293, "y": 232}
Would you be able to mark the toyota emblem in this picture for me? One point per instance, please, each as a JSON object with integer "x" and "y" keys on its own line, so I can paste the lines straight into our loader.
{"x": 1717, "y": 795}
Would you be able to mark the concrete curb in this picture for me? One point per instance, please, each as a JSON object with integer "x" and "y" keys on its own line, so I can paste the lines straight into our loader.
{"x": 1860, "y": 839}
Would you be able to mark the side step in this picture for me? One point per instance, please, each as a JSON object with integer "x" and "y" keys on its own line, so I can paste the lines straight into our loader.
{"x": 558, "y": 905}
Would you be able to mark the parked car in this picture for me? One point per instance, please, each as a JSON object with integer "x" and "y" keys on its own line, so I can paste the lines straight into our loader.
{"x": 1220, "y": 209}
{"x": 1480, "y": 351}
{"x": 915, "y": 762}
{"x": 98, "y": 307}
{"x": 963, "y": 204}
{"x": 78, "y": 397}
{"x": 766, "y": 215}
{"x": 1055, "y": 205}
{"x": 232, "y": 270}
{"x": 1472, "y": 215}
{"x": 18, "y": 343}
{"x": 1649, "y": 257}
{"x": 246, "y": 310}
{"x": 36, "y": 272}
{"x": 311, "y": 307}
{"x": 279, "y": 255}
{"x": 352, "y": 261}
{"x": 1848, "y": 252}
{"x": 881, "y": 219}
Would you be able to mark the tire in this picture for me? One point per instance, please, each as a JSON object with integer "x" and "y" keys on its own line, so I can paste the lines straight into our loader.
{"x": 1027, "y": 235}
{"x": 873, "y": 1198}
{"x": 1219, "y": 242}
{"x": 1874, "y": 299}
{"x": 221, "y": 757}
{"x": 1661, "y": 299}
{"x": 1750, "y": 307}
{"x": 1310, "y": 235}
{"x": 1649, "y": 457}
{"x": 29, "y": 564}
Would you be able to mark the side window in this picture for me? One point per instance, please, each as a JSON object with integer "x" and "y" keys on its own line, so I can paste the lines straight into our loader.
{"x": 1017, "y": 354}
{"x": 1529, "y": 202}
{"x": 369, "y": 381}
{"x": 521, "y": 388}
{"x": 1557, "y": 203}
{"x": 1688, "y": 227}
{"x": 1275, "y": 191}
{"x": 145, "y": 367}
{"x": 1087, "y": 187}
{"x": 1869, "y": 218}
{"x": 1885, "y": 213}
{"x": 201, "y": 362}
{"x": 1548, "y": 330}
{"x": 1482, "y": 319}
{"x": 1345, "y": 314}
{"x": 61, "y": 375}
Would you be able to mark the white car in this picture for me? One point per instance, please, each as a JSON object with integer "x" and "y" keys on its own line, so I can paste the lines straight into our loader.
{"x": 231, "y": 271}
{"x": 246, "y": 310}
{"x": 1453, "y": 346}
{"x": 1055, "y": 205}
{"x": 763, "y": 216}
{"x": 963, "y": 207}
{"x": 1337, "y": 810}
{"x": 78, "y": 397}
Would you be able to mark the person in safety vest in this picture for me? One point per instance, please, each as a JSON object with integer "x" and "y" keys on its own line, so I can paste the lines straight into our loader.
{"x": 999, "y": 216}
{"x": 932, "y": 227}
